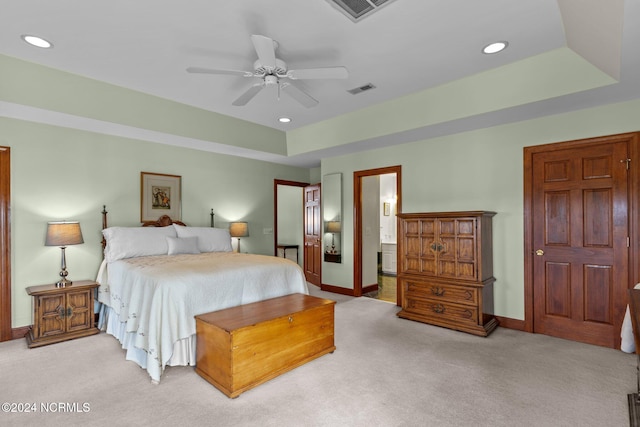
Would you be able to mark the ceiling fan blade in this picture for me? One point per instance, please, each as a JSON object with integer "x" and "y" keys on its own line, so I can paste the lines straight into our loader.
{"x": 248, "y": 95}
{"x": 266, "y": 51}
{"x": 299, "y": 95}
{"x": 319, "y": 73}
{"x": 199, "y": 70}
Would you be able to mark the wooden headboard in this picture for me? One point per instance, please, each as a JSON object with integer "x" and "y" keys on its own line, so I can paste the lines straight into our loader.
{"x": 163, "y": 221}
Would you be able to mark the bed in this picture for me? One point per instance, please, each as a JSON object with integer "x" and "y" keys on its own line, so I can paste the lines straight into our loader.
{"x": 154, "y": 280}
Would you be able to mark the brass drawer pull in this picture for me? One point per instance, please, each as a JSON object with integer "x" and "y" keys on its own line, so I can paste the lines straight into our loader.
{"x": 438, "y": 308}
{"x": 62, "y": 312}
{"x": 436, "y": 247}
{"x": 437, "y": 291}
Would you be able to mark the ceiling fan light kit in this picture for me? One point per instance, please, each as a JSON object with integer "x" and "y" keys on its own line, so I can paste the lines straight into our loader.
{"x": 273, "y": 72}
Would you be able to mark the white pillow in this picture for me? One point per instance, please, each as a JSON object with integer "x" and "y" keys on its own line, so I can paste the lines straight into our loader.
{"x": 183, "y": 245}
{"x": 129, "y": 242}
{"x": 209, "y": 239}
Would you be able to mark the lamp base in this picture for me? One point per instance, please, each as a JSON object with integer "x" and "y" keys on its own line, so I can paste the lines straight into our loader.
{"x": 63, "y": 283}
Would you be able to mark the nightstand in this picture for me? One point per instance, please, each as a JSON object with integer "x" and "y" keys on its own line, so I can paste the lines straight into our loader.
{"x": 61, "y": 314}
{"x": 329, "y": 257}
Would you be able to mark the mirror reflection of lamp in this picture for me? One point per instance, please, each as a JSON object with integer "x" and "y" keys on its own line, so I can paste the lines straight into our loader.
{"x": 333, "y": 227}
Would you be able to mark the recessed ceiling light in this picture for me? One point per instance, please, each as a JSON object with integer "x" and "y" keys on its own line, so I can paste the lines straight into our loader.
{"x": 37, "y": 41}
{"x": 284, "y": 120}
{"x": 495, "y": 47}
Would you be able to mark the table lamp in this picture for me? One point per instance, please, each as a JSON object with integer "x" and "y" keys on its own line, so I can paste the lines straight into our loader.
{"x": 239, "y": 229}
{"x": 63, "y": 234}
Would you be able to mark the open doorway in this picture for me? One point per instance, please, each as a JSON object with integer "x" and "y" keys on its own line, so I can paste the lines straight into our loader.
{"x": 375, "y": 207}
{"x": 288, "y": 227}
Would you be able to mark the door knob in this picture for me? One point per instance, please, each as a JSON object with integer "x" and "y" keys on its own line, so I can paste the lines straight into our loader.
{"x": 539, "y": 252}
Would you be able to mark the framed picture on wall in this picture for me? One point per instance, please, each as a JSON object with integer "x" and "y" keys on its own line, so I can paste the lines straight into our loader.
{"x": 160, "y": 194}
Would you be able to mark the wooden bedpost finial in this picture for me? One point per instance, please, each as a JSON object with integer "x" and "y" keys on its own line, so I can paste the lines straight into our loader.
{"x": 104, "y": 224}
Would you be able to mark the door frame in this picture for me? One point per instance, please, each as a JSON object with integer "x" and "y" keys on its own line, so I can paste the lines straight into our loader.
{"x": 5, "y": 245}
{"x": 634, "y": 210}
{"x": 357, "y": 217}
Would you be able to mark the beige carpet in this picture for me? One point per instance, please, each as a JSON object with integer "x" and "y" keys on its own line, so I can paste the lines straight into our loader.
{"x": 385, "y": 372}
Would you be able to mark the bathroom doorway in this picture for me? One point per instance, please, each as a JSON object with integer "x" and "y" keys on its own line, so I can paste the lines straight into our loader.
{"x": 375, "y": 222}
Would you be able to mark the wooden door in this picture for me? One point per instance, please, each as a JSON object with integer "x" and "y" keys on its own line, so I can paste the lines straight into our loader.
{"x": 580, "y": 223}
{"x": 312, "y": 235}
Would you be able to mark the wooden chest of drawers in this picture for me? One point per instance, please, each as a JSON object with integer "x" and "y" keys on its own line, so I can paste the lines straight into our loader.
{"x": 445, "y": 270}
{"x": 241, "y": 347}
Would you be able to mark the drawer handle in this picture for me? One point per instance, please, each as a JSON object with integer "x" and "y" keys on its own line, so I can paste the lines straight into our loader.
{"x": 64, "y": 313}
{"x": 438, "y": 308}
{"x": 468, "y": 295}
{"x": 436, "y": 247}
{"x": 290, "y": 319}
{"x": 468, "y": 314}
{"x": 437, "y": 291}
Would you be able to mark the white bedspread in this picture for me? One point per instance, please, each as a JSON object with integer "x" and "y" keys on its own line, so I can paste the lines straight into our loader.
{"x": 156, "y": 298}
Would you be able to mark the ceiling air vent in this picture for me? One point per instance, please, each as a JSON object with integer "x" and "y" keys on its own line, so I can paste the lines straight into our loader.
{"x": 361, "y": 89}
{"x": 356, "y": 10}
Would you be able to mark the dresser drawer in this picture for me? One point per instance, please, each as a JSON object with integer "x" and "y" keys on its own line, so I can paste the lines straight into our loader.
{"x": 441, "y": 312}
{"x": 441, "y": 291}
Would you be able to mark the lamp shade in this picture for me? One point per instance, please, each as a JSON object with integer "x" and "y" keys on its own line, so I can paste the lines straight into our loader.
{"x": 239, "y": 229}
{"x": 333, "y": 227}
{"x": 63, "y": 233}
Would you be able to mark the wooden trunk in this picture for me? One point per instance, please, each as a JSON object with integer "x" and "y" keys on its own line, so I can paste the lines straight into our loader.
{"x": 241, "y": 347}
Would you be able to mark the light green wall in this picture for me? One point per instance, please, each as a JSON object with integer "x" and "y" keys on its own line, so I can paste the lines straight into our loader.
{"x": 478, "y": 170}
{"x": 59, "y": 173}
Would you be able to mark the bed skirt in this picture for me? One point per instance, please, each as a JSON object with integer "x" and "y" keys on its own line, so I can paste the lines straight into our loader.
{"x": 184, "y": 350}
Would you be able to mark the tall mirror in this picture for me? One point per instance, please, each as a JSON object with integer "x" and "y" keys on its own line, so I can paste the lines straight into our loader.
{"x": 332, "y": 216}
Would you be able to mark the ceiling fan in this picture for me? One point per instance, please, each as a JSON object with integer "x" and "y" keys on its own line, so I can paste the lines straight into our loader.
{"x": 273, "y": 72}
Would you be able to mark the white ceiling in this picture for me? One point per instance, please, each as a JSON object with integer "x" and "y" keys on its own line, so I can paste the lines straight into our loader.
{"x": 405, "y": 47}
